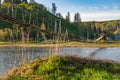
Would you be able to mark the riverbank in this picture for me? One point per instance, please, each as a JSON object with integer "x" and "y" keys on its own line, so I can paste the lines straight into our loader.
{"x": 65, "y": 68}
{"x": 62, "y": 44}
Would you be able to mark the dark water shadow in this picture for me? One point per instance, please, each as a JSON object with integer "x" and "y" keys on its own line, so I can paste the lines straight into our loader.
{"x": 96, "y": 51}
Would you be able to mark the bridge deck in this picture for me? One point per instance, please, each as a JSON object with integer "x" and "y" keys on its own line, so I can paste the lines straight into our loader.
{"x": 10, "y": 19}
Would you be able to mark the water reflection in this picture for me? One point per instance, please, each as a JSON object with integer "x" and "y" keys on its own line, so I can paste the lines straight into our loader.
{"x": 10, "y": 57}
{"x": 91, "y": 55}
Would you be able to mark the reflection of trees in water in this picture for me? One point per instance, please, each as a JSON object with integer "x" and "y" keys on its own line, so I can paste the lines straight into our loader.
{"x": 93, "y": 53}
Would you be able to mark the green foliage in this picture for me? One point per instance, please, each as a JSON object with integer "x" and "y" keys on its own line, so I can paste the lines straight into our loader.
{"x": 42, "y": 27}
{"x": 25, "y": 1}
{"x": 2, "y": 35}
{"x": 17, "y": 78}
{"x": 6, "y": 4}
{"x": 69, "y": 68}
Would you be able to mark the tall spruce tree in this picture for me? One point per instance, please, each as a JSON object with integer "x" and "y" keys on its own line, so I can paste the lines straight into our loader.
{"x": 77, "y": 18}
{"x": 59, "y": 15}
{"x": 54, "y": 8}
{"x": 68, "y": 17}
{"x": 32, "y": 1}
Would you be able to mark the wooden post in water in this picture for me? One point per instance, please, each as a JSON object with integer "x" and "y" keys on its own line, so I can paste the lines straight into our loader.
{"x": 22, "y": 35}
{"x": 66, "y": 35}
{"x": 58, "y": 39}
{"x": 28, "y": 33}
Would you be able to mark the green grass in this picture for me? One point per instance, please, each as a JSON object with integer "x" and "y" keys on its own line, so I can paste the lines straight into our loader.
{"x": 62, "y": 44}
{"x": 66, "y": 68}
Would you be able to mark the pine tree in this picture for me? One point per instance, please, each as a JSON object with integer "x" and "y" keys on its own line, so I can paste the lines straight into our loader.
{"x": 77, "y": 18}
{"x": 59, "y": 15}
{"x": 54, "y": 8}
{"x": 68, "y": 17}
{"x": 32, "y": 1}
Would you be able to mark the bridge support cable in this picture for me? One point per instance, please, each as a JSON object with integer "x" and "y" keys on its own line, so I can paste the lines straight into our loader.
{"x": 28, "y": 33}
{"x": 30, "y": 16}
{"x": 58, "y": 38}
{"x": 36, "y": 17}
{"x": 59, "y": 32}
{"x": 59, "y": 26}
{"x": 65, "y": 36}
{"x": 55, "y": 30}
{"x": 12, "y": 8}
{"x": 23, "y": 16}
{"x": 15, "y": 12}
{"x": 22, "y": 34}
{"x": 8, "y": 10}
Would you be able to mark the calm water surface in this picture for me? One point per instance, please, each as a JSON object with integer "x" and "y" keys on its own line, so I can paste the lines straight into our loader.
{"x": 11, "y": 57}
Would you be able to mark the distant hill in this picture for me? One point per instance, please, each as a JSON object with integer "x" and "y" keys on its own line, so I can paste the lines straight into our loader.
{"x": 94, "y": 29}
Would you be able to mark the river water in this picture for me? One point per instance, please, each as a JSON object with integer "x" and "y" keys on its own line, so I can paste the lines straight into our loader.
{"x": 11, "y": 57}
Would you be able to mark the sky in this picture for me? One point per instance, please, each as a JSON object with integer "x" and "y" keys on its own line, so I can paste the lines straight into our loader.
{"x": 90, "y": 10}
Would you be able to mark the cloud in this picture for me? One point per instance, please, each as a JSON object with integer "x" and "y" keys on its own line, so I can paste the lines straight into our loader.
{"x": 97, "y": 16}
{"x": 100, "y": 16}
{"x": 116, "y": 7}
{"x": 90, "y": 13}
{"x": 105, "y": 7}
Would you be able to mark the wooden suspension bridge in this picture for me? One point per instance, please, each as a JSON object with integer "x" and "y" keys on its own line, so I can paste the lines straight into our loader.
{"x": 23, "y": 23}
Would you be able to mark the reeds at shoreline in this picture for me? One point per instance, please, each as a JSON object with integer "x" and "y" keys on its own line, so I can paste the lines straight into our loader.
{"x": 64, "y": 68}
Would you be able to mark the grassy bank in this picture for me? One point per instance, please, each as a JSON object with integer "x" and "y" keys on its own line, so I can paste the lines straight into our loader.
{"x": 62, "y": 44}
{"x": 65, "y": 68}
